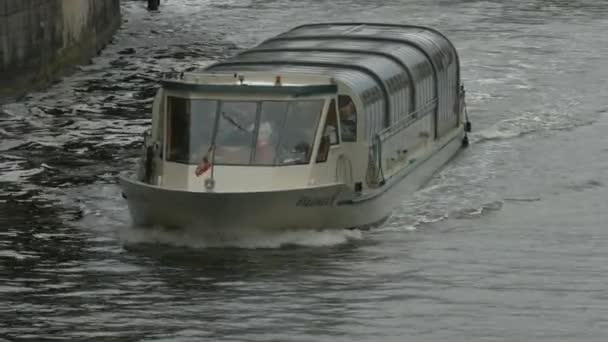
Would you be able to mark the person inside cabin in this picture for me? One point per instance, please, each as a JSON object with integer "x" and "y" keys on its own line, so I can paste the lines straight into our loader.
{"x": 294, "y": 146}
{"x": 302, "y": 151}
{"x": 297, "y": 132}
{"x": 265, "y": 143}
{"x": 348, "y": 118}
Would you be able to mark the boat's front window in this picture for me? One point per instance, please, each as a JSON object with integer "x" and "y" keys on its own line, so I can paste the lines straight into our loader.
{"x": 235, "y": 131}
{"x": 248, "y": 132}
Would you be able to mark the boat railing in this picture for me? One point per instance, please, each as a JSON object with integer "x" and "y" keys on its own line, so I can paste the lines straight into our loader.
{"x": 407, "y": 120}
{"x": 381, "y": 155}
{"x": 374, "y": 175}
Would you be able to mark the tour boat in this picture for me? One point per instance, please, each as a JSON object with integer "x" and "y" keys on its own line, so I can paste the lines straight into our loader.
{"x": 326, "y": 126}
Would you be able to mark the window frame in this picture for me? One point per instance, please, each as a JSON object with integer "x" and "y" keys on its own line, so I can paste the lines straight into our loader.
{"x": 334, "y": 101}
{"x": 356, "y": 135}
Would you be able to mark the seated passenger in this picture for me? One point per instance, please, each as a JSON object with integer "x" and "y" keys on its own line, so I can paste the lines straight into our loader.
{"x": 302, "y": 152}
{"x": 265, "y": 149}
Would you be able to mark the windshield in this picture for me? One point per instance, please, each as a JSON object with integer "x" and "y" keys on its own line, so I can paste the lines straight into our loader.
{"x": 248, "y": 132}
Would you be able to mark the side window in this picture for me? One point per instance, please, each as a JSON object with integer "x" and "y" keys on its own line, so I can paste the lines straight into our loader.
{"x": 189, "y": 129}
{"x": 348, "y": 118}
{"x": 298, "y": 135}
{"x": 178, "y": 124}
{"x": 330, "y": 133}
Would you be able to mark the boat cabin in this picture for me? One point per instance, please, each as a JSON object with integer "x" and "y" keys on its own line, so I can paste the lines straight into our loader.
{"x": 322, "y": 104}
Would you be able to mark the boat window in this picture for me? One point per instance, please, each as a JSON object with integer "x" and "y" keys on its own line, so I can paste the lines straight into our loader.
{"x": 246, "y": 133}
{"x": 348, "y": 118}
{"x": 190, "y": 128}
{"x": 330, "y": 133}
{"x": 236, "y": 126}
{"x": 297, "y": 137}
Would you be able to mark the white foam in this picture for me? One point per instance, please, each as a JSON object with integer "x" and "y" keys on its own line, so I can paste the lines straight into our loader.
{"x": 15, "y": 255}
{"x": 17, "y": 175}
{"x": 495, "y": 133}
{"x": 8, "y": 144}
{"x": 397, "y": 227}
{"x": 243, "y": 238}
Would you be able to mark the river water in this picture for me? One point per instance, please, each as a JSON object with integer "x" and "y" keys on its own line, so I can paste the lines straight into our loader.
{"x": 508, "y": 242}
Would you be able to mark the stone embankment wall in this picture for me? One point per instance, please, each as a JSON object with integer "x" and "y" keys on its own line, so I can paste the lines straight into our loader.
{"x": 40, "y": 39}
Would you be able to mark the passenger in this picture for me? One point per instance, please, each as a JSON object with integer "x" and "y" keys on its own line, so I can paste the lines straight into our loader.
{"x": 295, "y": 149}
{"x": 265, "y": 146}
{"x": 302, "y": 150}
{"x": 300, "y": 140}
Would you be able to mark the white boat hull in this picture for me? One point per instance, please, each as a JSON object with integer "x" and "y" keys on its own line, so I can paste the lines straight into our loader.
{"x": 313, "y": 208}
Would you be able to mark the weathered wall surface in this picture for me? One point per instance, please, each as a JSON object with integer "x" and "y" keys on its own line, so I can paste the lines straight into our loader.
{"x": 40, "y": 39}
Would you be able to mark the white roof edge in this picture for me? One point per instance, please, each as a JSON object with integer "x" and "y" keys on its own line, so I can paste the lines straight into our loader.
{"x": 249, "y": 77}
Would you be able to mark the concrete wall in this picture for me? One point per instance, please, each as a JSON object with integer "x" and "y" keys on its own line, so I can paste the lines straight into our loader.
{"x": 40, "y": 39}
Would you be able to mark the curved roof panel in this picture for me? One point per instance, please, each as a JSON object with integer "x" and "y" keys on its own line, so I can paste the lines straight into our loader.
{"x": 349, "y": 51}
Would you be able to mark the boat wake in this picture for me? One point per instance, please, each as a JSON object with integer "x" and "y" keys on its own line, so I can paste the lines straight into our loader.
{"x": 532, "y": 122}
{"x": 103, "y": 214}
{"x": 494, "y": 133}
{"x": 242, "y": 238}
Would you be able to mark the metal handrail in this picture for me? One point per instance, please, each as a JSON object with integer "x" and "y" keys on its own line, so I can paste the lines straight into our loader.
{"x": 398, "y": 126}
{"x": 407, "y": 121}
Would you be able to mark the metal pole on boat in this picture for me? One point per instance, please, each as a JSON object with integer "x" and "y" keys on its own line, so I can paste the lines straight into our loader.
{"x": 467, "y": 124}
{"x": 210, "y": 182}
